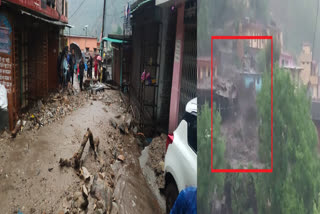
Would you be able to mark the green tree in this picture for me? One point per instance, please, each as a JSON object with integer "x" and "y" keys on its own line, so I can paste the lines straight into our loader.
{"x": 293, "y": 186}
{"x": 210, "y": 185}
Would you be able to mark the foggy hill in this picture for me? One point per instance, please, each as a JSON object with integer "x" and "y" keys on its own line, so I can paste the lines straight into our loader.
{"x": 297, "y": 19}
{"x": 90, "y": 13}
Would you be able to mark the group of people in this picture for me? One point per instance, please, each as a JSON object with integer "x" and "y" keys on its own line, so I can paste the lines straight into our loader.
{"x": 67, "y": 65}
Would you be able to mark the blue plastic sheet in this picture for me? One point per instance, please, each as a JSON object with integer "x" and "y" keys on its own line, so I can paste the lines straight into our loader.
{"x": 186, "y": 203}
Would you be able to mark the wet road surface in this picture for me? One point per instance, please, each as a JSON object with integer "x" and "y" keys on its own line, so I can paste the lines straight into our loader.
{"x": 32, "y": 181}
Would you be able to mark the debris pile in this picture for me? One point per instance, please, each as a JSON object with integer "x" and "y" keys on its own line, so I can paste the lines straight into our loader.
{"x": 157, "y": 151}
{"x": 49, "y": 110}
{"x": 95, "y": 192}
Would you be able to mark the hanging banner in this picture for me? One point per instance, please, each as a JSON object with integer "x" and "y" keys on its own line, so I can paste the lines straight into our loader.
{"x": 5, "y": 53}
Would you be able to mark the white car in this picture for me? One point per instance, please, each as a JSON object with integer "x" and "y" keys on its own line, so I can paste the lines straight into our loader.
{"x": 181, "y": 156}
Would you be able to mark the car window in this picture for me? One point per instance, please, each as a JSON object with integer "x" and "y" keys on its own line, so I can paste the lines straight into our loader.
{"x": 192, "y": 130}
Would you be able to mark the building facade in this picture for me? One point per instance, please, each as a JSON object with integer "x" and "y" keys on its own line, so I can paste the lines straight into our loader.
{"x": 164, "y": 44}
{"x": 309, "y": 73}
{"x": 86, "y": 44}
{"x": 29, "y": 46}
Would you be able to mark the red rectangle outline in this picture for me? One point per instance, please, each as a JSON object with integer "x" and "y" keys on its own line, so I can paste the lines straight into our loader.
{"x": 242, "y": 170}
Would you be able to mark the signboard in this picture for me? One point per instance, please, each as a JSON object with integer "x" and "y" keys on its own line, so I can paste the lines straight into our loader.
{"x": 6, "y": 65}
{"x": 177, "y": 51}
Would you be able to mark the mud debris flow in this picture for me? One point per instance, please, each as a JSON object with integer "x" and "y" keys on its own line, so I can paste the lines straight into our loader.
{"x": 107, "y": 177}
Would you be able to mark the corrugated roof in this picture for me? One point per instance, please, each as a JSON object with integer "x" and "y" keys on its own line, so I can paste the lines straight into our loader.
{"x": 113, "y": 40}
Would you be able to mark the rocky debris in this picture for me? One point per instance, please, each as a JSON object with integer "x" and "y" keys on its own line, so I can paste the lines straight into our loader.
{"x": 49, "y": 110}
{"x": 157, "y": 151}
{"x": 121, "y": 158}
{"x": 123, "y": 128}
{"x": 85, "y": 191}
{"x": 115, "y": 208}
{"x": 113, "y": 123}
{"x": 118, "y": 116}
{"x": 79, "y": 201}
{"x": 74, "y": 161}
{"x": 16, "y": 129}
{"x": 102, "y": 191}
{"x": 84, "y": 174}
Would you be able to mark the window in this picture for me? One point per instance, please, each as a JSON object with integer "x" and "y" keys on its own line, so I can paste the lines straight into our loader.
{"x": 87, "y": 50}
{"x": 191, "y": 120}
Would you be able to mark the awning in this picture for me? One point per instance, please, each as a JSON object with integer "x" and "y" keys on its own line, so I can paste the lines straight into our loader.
{"x": 113, "y": 40}
{"x": 47, "y": 20}
{"x": 135, "y": 6}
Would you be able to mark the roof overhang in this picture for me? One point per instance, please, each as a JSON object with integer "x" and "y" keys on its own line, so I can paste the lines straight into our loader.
{"x": 47, "y": 20}
{"x": 113, "y": 40}
{"x": 168, "y": 3}
{"x": 120, "y": 37}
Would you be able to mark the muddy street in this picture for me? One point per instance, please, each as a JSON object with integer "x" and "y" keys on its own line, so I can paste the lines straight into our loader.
{"x": 32, "y": 181}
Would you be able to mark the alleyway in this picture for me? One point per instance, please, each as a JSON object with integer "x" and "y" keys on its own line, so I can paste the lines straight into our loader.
{"x": 32, "y": 181}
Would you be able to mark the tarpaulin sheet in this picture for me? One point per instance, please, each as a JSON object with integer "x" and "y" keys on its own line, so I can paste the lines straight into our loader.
{"x": 3, "y": 98}
{"x": 186, "y": 203}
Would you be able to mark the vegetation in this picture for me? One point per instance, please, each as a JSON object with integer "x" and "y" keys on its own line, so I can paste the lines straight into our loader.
{"x": 209, "y": 185}
{"x": 294, "y": 185}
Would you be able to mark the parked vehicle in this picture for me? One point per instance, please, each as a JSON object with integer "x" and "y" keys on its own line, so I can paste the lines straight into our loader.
{"x": 181, "y": 156}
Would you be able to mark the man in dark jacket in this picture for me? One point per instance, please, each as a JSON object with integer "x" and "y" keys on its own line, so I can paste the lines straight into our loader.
{"x": 90, "y": 64}
{"x": 72, "y": 62}
{"x": 59, "y": 70}
{"x": 81, "y": 72}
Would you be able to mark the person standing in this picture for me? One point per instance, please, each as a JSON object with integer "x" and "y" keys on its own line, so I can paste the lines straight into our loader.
{"x": 96, "y": 68}
{"x": 73, "y": 61}
{"x": 81, "y": 72}
{"x": 89, "y": 67}
{"x": 65, "y": 70}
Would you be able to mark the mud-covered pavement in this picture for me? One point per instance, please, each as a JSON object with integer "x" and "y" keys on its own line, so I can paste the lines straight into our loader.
{"x": 31, "y": 180}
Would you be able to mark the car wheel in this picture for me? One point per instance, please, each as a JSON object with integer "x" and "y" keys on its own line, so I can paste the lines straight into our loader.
{"x": 171, "y": 195}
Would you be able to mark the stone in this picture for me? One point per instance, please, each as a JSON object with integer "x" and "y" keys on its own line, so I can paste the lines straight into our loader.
{"x": 113, "y": 123}
{"x": 79, "y": 201}
{"x": 129, "y": 122}
{"x": 40, "y": 105}
{"x": 84, "y": 173}
{"x": 85, "y": 191}
{"x": 50, "y": 114}
{"x": 135, "y": 130}
{"x": 123, "y": 129}
{"x": 28, "y": 126}
{"x": 161, "y": 163}
{"x": 115, "y": 208}
{"x": 121, "y": 158}
{"x": 100, "y": 204}
{"x": 138, "y": 141}
{"x": 98, "y": 211}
